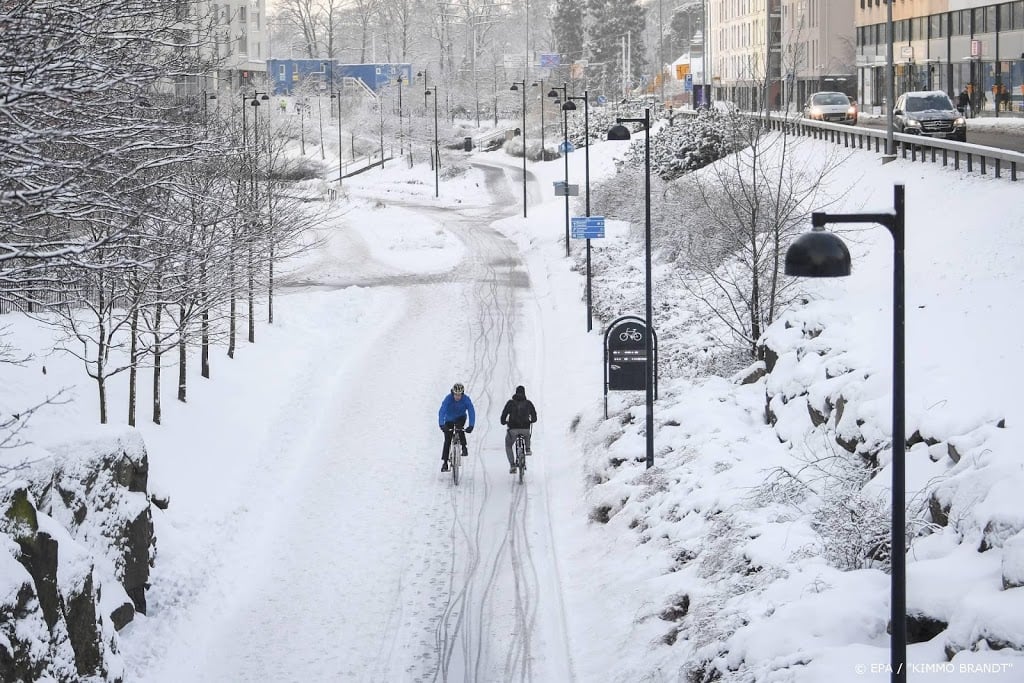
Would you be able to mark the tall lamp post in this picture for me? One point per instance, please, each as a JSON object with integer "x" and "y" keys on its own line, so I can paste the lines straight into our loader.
{"x": 564, "y": 148}
{"x": 570, "y": 106}
{"x": 620, "y": 132}
{"x": 340, "y": 166}
{"x": 437, "y": 156}
{"x": 517, "y": 85}
{"x": 890, "y": 87}
{"x": 823, "y": 254}
{"x": 540, "y": 83}
{"x": 401, "y": 141}
{"x": 254, "y": 102}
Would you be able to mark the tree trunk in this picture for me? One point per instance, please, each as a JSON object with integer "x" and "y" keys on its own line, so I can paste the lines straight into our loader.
{"x": 204, "y": 326}
{"x": 156, "y": 364}
{"x": 233, "y": 305}
{"x": 101, "y": 353}
{"x": 133, "y": 370}
{"x": 182, "y": 355}
{"x": 251, "y": 286}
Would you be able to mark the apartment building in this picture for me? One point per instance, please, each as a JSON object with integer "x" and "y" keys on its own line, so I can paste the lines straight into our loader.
{"x": 775, "y": 52}
{"x": 234, "y": 36}
{"x": 949, "y": 45}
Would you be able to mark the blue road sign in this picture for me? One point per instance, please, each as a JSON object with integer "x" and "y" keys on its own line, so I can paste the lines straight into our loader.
{"x": 688, "y": 83}
{"x": 601, "y": 99}
{"x": 587, "y": 227}
{"x": 565, "y": 147}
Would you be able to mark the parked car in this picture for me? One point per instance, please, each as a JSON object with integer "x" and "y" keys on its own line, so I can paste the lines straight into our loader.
{"x": 930, "y": 113}
{"x": 834, "y": 107}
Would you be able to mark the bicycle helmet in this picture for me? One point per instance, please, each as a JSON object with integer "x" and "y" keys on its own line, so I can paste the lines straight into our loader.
{"x": 457, "y": 388}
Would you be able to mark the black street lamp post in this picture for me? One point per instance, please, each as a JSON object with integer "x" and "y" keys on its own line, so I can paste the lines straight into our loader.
{"x": 300, "y": 104}
{"x": 540, "y": 84}
{"x": 380, "y": 110}
{"x": 569, "y": 106}
{"x": 207, "y": 96}
{"x": 437, "y": 154}
{"x": 338, "y": 97}
{"x": 823, "y": 254}
{"x": 620, "y": 132}
{"x": 401, "y": 140}
{"x": 564, "y": 150}
{"x": 516, "y": 86}
{"x": 254, "y": 102}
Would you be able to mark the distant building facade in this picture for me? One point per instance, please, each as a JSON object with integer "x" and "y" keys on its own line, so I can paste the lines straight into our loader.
{"x": 233, "y": 36}
{"x": 780, "y": 50}
{"x": 943, "y": 45}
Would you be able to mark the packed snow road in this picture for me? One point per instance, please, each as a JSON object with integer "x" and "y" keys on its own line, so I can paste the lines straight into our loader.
{"x": 349, "y": 555}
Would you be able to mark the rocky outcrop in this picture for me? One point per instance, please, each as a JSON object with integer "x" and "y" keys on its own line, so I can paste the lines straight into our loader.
{"x": 78, "y": 525}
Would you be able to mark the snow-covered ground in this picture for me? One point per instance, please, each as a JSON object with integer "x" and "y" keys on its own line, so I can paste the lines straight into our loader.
{"x": 312, "y": 537}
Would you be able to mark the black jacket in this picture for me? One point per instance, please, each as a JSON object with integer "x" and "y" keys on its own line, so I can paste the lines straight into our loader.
{"x": 519, "y": 412}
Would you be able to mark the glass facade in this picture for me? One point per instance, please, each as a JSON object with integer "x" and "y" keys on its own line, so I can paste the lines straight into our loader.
{"x": 980, "y": 50}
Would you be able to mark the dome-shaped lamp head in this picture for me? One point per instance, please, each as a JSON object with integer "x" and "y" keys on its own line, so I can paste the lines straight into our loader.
{"x": 818, "y": 254}
{"x": 515, "y": 86}
{"x": 618, "y": 132}
{"x": 569, "y": 106}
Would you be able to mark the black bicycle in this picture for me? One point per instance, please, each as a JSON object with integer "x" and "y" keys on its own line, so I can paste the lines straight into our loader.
{"x": 519, "y": 452}
{"x": 455, "y": 453}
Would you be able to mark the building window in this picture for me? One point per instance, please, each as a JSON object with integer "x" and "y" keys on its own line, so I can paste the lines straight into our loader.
{"x": 919, "y": 28}
{"x": 243, "y": 44}
{"x": 961, "y": 23}
{"x": 1018, "y": 14}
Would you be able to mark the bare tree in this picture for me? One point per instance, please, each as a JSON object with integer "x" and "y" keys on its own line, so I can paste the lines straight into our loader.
{"x": 306, "y": 19}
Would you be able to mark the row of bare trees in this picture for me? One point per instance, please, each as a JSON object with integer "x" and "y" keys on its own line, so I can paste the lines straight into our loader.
{"x": 137, "y": 222}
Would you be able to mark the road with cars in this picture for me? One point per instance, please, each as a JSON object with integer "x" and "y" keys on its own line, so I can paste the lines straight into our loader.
{"x": 1010, "y": 138}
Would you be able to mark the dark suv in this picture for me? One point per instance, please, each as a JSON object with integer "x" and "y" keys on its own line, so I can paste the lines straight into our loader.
{"x": 931, "y": 113}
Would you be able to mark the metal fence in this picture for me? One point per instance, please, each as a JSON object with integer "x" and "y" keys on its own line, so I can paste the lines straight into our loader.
{"x": 985, "y": 160}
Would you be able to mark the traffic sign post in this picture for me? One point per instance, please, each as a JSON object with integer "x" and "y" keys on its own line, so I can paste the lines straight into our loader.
{"x": 626, "y": 365}
{"x": 564, "y": 189}
{"x": 588, "y": 227}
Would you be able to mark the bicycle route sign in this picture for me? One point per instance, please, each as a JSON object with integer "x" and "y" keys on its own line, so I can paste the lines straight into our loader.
{"x": 587, "y": 227}
{"x": 627, "y": 355}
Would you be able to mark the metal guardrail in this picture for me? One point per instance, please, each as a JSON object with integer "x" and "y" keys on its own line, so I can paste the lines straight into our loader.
{"x": 364, "y": 163}
{"x": 484, "y": 139}
{"x": 914, "y": 146}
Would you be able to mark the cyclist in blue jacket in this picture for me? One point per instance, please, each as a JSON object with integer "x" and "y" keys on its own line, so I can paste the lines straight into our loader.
{"x": 456, "y": 408}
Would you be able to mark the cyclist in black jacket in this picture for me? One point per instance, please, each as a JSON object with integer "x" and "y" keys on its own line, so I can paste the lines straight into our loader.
{"x": 519, "y": 414}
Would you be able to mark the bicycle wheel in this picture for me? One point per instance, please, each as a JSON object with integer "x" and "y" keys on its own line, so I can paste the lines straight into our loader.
{"x": 456, "y": 461}
{"x": 520, "y": 458}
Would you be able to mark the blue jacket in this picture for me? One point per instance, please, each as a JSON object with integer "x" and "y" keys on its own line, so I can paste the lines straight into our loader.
{"x": 451, "y": 410}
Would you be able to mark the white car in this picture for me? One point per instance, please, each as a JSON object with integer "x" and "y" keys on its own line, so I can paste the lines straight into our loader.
{"x": 831, "y": 106}
{"x": 724, "y": 106}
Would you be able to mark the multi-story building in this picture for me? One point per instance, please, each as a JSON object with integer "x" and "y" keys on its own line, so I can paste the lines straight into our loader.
{"x": 233, "y": 36}
{"x": 949, "y": 45}
{"x": 775, "y": 52}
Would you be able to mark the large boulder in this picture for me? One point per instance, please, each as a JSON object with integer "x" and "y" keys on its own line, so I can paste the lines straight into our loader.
{"x": 97, "y": 489}
{"x": 78, "y": 526}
